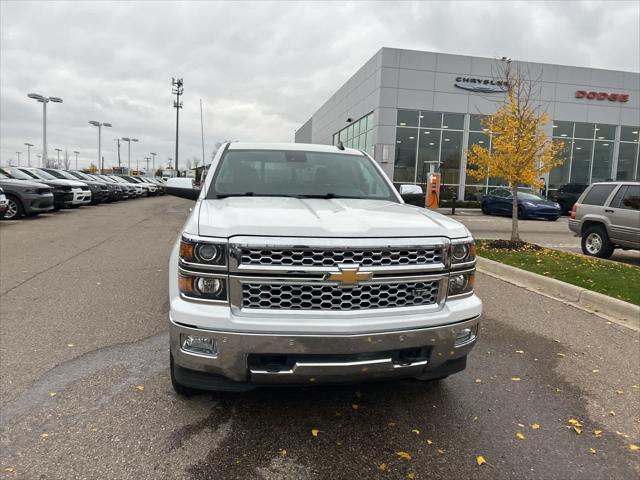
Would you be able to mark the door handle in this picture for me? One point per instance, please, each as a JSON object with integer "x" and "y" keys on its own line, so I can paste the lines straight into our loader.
{"x": 608, "y": 210}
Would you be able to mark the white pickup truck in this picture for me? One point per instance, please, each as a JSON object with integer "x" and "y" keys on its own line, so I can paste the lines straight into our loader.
{"x": 300, "y": 264}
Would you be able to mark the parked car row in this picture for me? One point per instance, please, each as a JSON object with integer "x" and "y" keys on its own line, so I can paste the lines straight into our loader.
{"x": 31, "y": 190}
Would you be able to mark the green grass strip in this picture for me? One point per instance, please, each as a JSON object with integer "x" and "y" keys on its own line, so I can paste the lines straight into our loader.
{"x": 615, "y": 279}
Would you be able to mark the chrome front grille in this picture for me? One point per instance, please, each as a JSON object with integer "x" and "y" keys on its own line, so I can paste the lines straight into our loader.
{"x": 308, "y": 296}
{"x": 320, "y": 257}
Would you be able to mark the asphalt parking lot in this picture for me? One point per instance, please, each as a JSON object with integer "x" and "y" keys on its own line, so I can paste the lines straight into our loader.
{"x": 86, "y": 391}
{"x": 550, "y": 234}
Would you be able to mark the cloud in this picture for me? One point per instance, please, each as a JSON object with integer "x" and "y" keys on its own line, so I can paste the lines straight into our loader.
{"x": 261, "y": 69}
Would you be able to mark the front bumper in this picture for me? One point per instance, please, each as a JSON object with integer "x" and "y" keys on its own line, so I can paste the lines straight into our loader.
{"x": 35, "y": 203}
{"x": 81, "y": 197}
{"x": 320, "y": 358}
{"x": 575, "y": 226}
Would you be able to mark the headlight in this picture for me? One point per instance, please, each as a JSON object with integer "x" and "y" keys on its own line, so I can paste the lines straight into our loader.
{"x": 202, "y": 251}
{"x": 463, "y": 252}
{"x": 461, "y": 283}
{"x": 205, "y": 288}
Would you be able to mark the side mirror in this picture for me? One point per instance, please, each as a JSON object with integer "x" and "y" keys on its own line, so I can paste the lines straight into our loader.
{"x": 410, "y": 189}
{"x": 182, "y": 187}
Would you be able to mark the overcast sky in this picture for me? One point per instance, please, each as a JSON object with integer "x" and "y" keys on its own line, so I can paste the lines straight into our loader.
{"x": 261, "y": 69}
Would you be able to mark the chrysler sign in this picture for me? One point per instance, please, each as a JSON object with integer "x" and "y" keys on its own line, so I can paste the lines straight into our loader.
{"x": 480, "y": 85}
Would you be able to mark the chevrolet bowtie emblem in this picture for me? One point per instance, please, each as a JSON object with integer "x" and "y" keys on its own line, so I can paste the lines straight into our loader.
{"x": 349, "y": 275}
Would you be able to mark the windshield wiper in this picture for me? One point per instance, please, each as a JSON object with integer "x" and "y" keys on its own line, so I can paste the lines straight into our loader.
{"x": 253, "y": 194}
{"x": 327, "y": 195}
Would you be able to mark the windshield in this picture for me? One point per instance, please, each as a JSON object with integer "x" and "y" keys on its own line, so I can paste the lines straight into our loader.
{"x": 79, "y": 175}
{"x": 118, "y": 179}
{"x": 61, "y": 174}
{"x": 529, "y": 196}
{"x": 291, "y": 173}
{"x": 131, "y": 179}
{"x": 13, "y": 172}
{"x": 37, "y": 173}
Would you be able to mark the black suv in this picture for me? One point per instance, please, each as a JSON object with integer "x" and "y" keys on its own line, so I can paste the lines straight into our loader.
{"x": 567, "y": 195}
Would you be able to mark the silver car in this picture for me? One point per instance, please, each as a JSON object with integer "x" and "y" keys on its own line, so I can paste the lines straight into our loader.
{"x": 607, "y": 216}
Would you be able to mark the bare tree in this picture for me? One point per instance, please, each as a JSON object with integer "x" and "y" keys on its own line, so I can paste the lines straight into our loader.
{"x": 66, "y": 160}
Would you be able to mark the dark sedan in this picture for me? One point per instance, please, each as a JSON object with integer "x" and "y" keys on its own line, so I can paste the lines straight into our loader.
{"x": 530, "y": 205}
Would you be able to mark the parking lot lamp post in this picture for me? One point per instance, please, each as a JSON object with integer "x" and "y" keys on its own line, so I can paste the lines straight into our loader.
{"x": 58, "y": 161}
{"x": 153, "y": 164}
{"x": 100, "y": 125}
{"x": 129, "y": 140}
{"x": 40, "y": 160}
{"x": 19, "y": 153}
{"x": 28, "y": 145}
{"x": 77, "y": 153}
{"x": 44, "y": 100}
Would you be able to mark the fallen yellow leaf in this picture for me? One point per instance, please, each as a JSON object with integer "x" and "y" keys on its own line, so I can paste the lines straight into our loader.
{"x": 439, "y": 450}
{"x": 612, "y": 413}
{"x": 623, "y": 435}
{"x": 597, "y": 433}
{"x": 416, "y": 431}
{"x": 315, "y": 432}
{"x": 521, "y": 425}
{"x": 574, "y": 422}
{"x": 519, "y": 351}
{"x": 515, "y": 379}
{"x": 44, "y": 435}
{"x": 404, "y": 455}
{"x": 9, "y": 469}
{"x": 429, "y": 442}
{"x": 70, "y": 345}
{"x": 595, "y": 370}
{"x": 478, "y": 380}
{"x": 520, "y": 436}
{"x": 633, "y": 447}
{"x": 52, "y": 394}
{"x": 140, "y": 388}
{"x": 480, "y": 460}
{"x": 382, "y": 467}
{"x": 411, "y": 475}
{"x": 282, "y": 452}
{"x": 578, "y": 430}
{"x": 619, "y": 392}
{"x": 560, "y": 354}
{"x": 535, "y": 426}
{"x": 355, "y": 406}
{"x": 592, "y": 450}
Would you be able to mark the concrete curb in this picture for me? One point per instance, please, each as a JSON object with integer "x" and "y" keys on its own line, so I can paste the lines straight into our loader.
{"x": 625, "y": 313}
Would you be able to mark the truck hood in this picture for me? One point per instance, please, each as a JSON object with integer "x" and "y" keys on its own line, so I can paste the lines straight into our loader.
{"x": 294, "y": 217}
{"x": 21, "y": 184}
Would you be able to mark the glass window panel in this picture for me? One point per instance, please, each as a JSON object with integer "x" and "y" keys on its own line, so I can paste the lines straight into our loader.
{"x": 367, "y": 123}
{"x": 598, "y": 194}
{"x": 475, "y": 122}
{"x": 602, "y": 159}
{"x": 356, "y": 129}
{"x": 405, "y": 162}
{"x": 629, "y": 134}
{"x": 563, "y": 129}
{"x": 482, "y": 140}
{"x": 343, "y": 136}
{"x": 559, "y": 175}
{"x": 369, "y": 142}
{"x": 450, "y": 154}
{"x": 631, "y": 198}
{"x": 453, "y": 121}
{"x": 581, "y": 161}
{"x": 430, "y": 119}
{"x": 350, "y": 132}
{"x": 407, "y": 118}
{"x": 584, "y": 130}
{"x": 605, "y": 132}
{"x": 474, "y": 193}
{"x": 627, "y": 156}
{"x": 428, "y": 152}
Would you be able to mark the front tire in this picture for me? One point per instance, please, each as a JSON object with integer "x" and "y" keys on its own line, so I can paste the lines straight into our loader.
{"x": 485, "y": 209}
{"x": 522, "y": 215}
{"x": 15, "y": 210}
{"x": 180, "y": 389}
{"x": 595, "y": 242}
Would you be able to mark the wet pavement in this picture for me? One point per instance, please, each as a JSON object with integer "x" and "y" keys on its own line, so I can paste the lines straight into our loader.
{"x": 86, "y": 391}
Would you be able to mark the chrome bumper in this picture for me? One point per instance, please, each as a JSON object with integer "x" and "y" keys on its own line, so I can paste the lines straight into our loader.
{"x": 371, "y": 354}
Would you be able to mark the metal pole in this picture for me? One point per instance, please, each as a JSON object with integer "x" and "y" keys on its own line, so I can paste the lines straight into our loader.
{"x": 129, "y": 155}
{"x": 202, "y": 133}
{"x": 119, "y": 164}
{"x": 44, "y": 132}
{"x": 29, "y": 155}
{"x": 154, "y": 163}
{"x": 177, "y": 122}
{"x": 19, "y": 153}
{"x": 100, "y": 148}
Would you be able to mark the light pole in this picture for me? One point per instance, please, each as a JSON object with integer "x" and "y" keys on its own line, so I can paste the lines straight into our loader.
{"x": 77, "y": 153}
{"x": 19, "y": 153}
{"x": 28, "y": 145}
{"x": 153, "y": 154}
{"x": 100, "y": 125}
{"x": 129, "y": 140}
{"x": 44, "y": 100}
{"x": 40, "y": 160}
{"x": 177, "y": 90}
{"x": 147, "y": 159}
{"x": 58, "y": 161}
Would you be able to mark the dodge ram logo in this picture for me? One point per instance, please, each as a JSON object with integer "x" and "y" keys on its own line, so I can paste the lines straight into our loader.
{"x": 349, "y": 275}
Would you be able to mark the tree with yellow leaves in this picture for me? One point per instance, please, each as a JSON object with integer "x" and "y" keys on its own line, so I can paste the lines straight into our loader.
{"x": 93, "y": 168}
{"x": 520, "y": 152}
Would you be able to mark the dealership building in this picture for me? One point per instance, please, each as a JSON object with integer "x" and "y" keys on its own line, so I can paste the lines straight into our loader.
{"x": 418, "y": 112}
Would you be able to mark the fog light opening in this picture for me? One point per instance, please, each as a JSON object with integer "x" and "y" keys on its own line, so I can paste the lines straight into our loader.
{"x": 198, "y": 345}
{"x": 465, "y": 336}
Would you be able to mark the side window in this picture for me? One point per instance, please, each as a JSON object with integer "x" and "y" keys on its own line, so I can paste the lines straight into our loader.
{"x": 617, "y": 200}
{"x": 598, "y": 194}
{"x": 631, "y": 199}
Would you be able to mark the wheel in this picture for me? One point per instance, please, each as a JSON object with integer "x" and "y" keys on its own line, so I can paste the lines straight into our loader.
{"x": 522, "y": 215}
{"x": 485, "y": 209}
{"x": 15, "y": 209}
{"x": 180, "y": 389}
{"x": 596, "y": 243}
